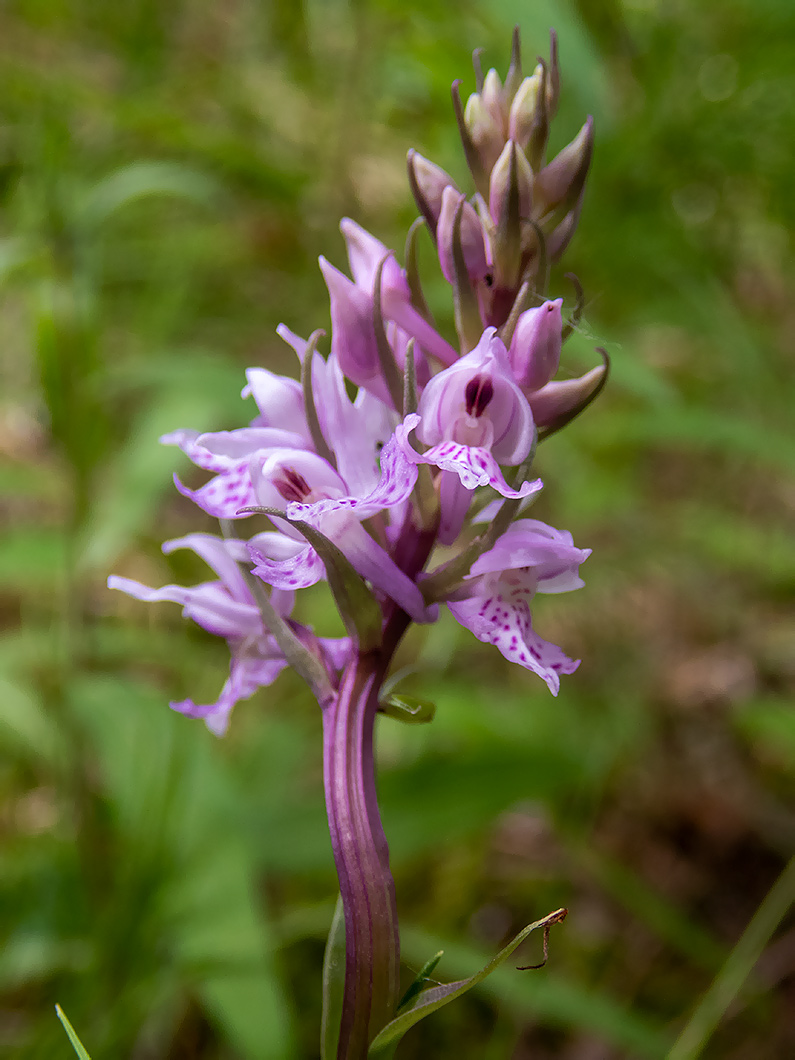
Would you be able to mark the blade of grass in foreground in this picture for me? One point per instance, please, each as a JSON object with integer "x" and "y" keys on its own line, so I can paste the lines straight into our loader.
{"x": 739, "y": 965}
{"x": 77, "y": 1045}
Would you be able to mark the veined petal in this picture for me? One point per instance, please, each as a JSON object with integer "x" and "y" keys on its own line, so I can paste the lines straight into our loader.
{"x": 248, "y": 672}
{"x": 352, "y": 429}
{"x": 209, "y": 605}
{"x": 477, "y": 402}
{"x": 187, "y": 442}
{"x": 221, "y": 556}
{"x": 299, "y": 571}
{"x": 224, "y": 495}
{"x": 398, "y": 476}
{"x": 503, "y": 619}
{"x": 529, "y": 543}
{"x": 474, "y": 465}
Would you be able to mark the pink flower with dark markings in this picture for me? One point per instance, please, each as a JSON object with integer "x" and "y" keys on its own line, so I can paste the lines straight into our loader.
{"x": 473, "y": 417}
{"x": 494, "y": 602}
{"x": 226, "y": 608}
{"x": 308, "y": 489}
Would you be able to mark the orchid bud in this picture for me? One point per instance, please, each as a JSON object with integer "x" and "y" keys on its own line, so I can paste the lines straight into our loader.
{"x": 365, "y": 255}
{"x": 493, "y": 97}
{"x": 559, "y": 184}
{"x": 353, "y": 339}
{"x": 428, "y": 183}
{"x": 524, "y": 107}
{"x": 560, "y": 236}
{"x": 538, "y": 133}
{"x": 472, "y": 241}
{"x": 535, "y": 346}
{"x": 557, "y": 403}
{"x": 510, "y": 161}
{"x": 485, "y": 133}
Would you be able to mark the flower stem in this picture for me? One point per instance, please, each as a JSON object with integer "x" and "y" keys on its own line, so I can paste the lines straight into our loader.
{"x": 361, "y": 854}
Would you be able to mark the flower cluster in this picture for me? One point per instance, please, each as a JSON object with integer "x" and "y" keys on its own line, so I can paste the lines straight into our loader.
{"x": 367, "y": 485}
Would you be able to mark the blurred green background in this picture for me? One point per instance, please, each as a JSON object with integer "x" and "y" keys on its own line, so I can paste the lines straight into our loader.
{"x": 168, "y": 175}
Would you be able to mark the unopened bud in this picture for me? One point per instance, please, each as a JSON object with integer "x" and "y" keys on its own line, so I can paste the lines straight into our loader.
{"x": 428, "y": 182}
{"x": 557, "y": 403}
{"x": 559, "y": 184}
{"x": 535, "y": 346}
{"x": 486, "y": 134}
{"x": 560, "y": 236}
{"x": 511, "y": 167}
{"x": 524, "y": 107}
{"x": 493, "y": 97}
{"x": 472, "y": 242}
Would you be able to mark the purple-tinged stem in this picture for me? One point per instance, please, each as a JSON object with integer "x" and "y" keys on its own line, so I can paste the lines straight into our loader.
{"x": 361, "y": 853}
{"x": 372, "y": 946}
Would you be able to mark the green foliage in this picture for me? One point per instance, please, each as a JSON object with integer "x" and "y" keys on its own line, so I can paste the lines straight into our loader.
{"x": 168, "y": 176}
{"x": 415, "y": 1008}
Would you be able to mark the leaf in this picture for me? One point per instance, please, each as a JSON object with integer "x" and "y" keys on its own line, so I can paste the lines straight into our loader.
{"x": 333, "y": 985}
{"x": 141, "y": 180}
{"x": 77, "y": 1045}
{"x": 436, "y": 997}
{"x": 422, "y": 977}
{"x": 177, "y": 810}
{"x": 552, "y": 998}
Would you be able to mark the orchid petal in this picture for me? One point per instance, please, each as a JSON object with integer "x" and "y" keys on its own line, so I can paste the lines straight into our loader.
{"x": 504, "y": 619}
{"x": 280, "y": 401}
{"x": 529, "y": 543}
{"x": 219, "y": 554}
{"x": 224, "y": 495}
{"x": 234, "y": 446}
{"x": 187, "y": 442}
{"x": 398, "y": 476}
{"x": 337, "y": 651}
{"x": 300, "y": 571}
{"x": 353, "y": 339}
{"x": 474, "y": 465}
{"x": 209, "y": 605}
{"x": 504, "y": 423}
{"x": 247, "y": 674}
{"x": 454, "y": 502}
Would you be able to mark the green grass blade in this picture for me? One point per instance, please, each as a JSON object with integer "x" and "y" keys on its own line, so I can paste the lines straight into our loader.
{"x": 739, "y": 965}
{"x": 77, "y": 1045}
